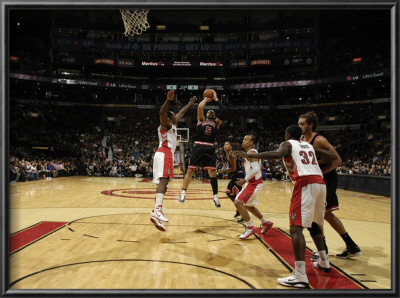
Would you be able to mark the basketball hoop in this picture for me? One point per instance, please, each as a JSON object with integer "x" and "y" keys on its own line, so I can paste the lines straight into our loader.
{"x": 135, "y": 21}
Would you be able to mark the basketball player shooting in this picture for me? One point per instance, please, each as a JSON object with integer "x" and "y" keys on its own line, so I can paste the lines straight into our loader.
{"x": 203, "y": 153}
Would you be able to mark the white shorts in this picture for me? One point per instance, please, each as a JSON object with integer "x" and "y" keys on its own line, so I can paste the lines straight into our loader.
{"x": 248, "y": 195}
{"x": 308, "y": 202}
{"x": 163, "y": 164}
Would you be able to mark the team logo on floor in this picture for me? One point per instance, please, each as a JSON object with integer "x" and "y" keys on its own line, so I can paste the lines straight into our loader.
{"x": 172, "y": 194}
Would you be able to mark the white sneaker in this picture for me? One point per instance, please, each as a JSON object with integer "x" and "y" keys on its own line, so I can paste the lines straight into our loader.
{"x": 159, "y": 214}
{"x": 266, "y": 226}
{"x": 216, "y": 202}
{"x": 248, "y": 232}
{"x": 322, "y": 265}
{"x": 182, "y": 198}
{"x": 296, "y": 280}
{"x": 158, "y": 223}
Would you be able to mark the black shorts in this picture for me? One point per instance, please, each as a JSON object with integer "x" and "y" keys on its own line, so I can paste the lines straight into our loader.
{"x": 232, "y": 188}
{"x": 331, "y": 180}
{"x": 203, "y": 156}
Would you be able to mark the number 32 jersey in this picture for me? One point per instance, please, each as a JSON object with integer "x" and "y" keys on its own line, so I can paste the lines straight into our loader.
{"x": 302, "y": 161}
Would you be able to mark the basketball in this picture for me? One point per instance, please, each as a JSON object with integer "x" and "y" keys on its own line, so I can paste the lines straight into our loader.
{"x": 208, "y": 93}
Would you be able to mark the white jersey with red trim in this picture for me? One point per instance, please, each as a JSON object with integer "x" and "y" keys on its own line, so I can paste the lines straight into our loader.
{"x": 249, "y": 166}
{"x": 168, "y": 138}
{"x": 302, "y": 161}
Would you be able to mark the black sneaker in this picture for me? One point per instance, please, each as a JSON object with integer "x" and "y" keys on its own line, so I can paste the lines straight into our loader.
{"x": 240, "y": 219}
{"x": 350, "y": 251}
{"x": 237, "y": 214}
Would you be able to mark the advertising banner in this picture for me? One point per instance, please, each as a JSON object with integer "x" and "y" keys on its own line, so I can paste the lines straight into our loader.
{"x": 182, "y": 46}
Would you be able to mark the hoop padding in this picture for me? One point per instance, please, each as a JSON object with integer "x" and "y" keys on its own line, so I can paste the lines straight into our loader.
{"x": 135, "y": 21}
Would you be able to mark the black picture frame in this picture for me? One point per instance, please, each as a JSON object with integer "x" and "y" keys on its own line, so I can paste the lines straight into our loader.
{"x": 393, "y": 6}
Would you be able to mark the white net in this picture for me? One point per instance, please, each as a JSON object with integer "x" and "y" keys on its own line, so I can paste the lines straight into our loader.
{"x": 135, "y": 21}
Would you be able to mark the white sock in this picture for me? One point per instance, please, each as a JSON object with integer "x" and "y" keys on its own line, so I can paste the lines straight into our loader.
{"x": 300, "y": 266}
{"x": 322, "y": 255}
{"x": 159, "y": 200}
{"x": 183, "y": 192}
{"x": 248, "y": 224}
{"x": 216, "y": 196}
{"x": 263, "y": 219}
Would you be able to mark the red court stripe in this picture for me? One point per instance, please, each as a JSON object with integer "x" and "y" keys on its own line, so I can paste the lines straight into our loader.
{"x": 281, "y": 243}
{"x": 31, "y": 234}
{"x": 146, "y": 180}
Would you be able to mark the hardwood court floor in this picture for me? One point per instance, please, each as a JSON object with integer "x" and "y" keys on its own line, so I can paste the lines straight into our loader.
{"x": 103, "y": 238}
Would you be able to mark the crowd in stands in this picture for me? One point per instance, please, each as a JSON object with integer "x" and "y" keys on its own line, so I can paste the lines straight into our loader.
{"x": 367, "y": 154}
{"x": 69, "y": 119}
{"x": 125, "y": 148}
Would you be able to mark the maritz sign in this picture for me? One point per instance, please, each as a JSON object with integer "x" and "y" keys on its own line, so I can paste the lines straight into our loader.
{"x": 148, "y": 63}
{"x": 211, "y": 64}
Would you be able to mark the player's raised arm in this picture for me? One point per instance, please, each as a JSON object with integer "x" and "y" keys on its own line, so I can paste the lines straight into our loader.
{"x": 164, "y": 120}
{"x": 220, "y": 117}
{"x": 200, "y": 110}
{"x": 183, "y": 111}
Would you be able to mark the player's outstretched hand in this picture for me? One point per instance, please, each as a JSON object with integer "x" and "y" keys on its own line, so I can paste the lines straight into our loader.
{"x": 215, "y": 96}
{"x": 192, "y": 100}
{"x": 171, "y": 94}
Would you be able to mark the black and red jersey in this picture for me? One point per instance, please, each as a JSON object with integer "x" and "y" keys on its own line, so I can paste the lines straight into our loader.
{"x": 312, "y": 140}
{"x": 206, "y": 131}
{"x": 239, "y": 164}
